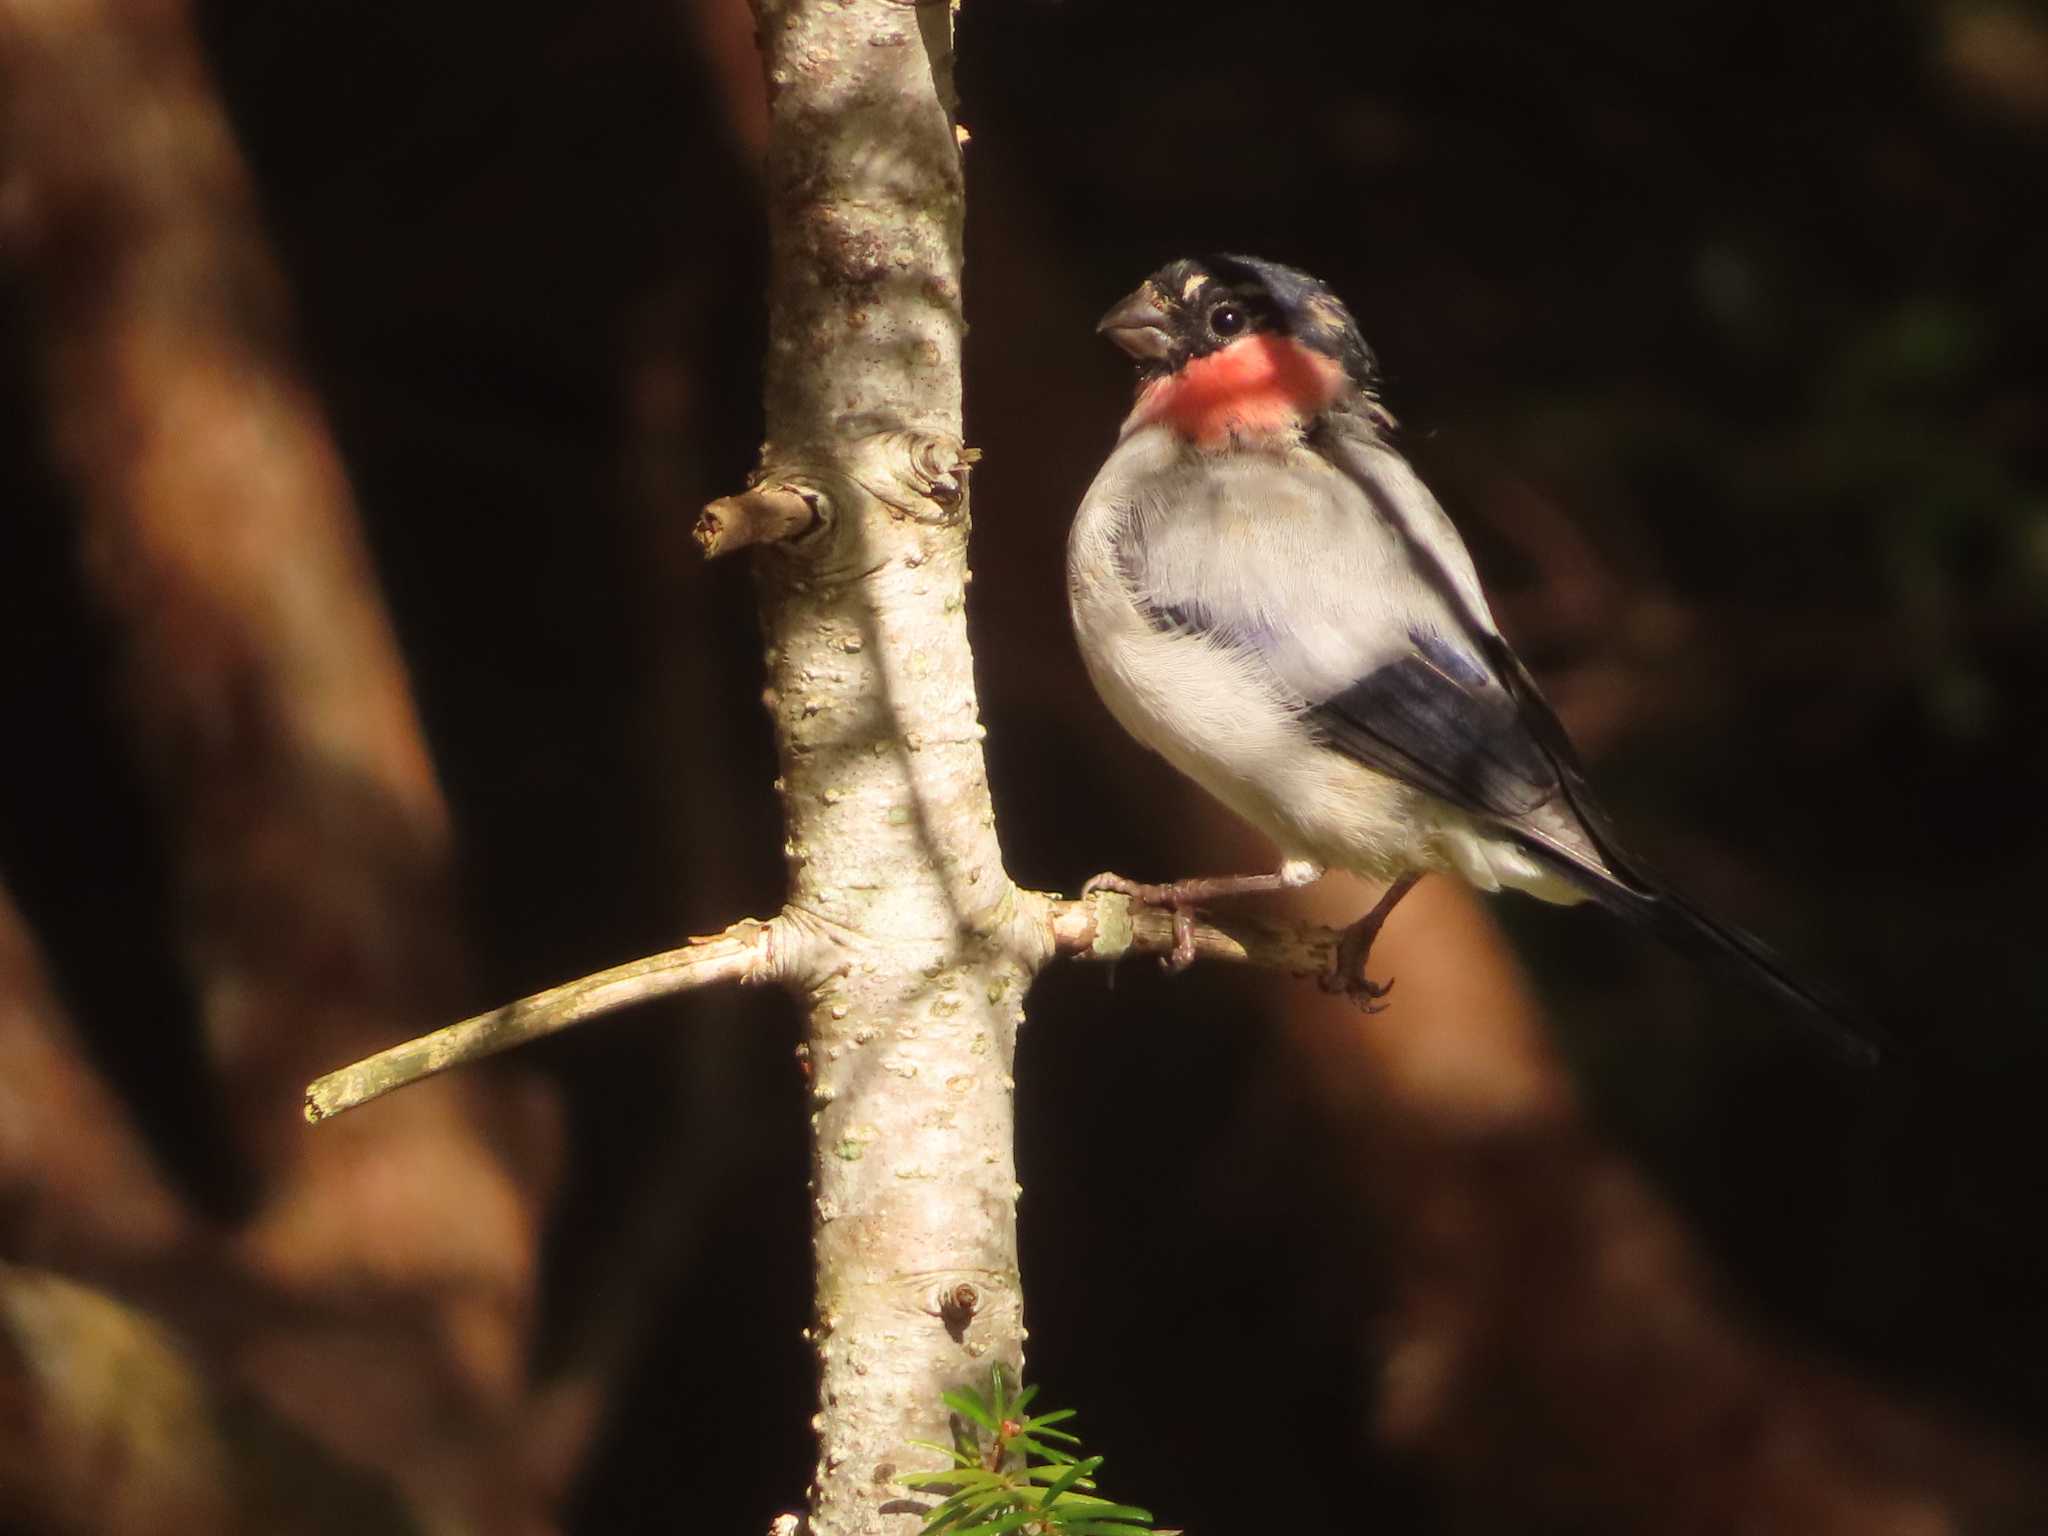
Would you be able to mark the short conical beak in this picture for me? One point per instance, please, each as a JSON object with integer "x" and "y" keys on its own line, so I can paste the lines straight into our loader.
{"x": 1138, "y": 325}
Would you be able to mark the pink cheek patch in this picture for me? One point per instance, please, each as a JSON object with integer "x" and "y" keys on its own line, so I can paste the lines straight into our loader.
{"x": 1255, "y": 386}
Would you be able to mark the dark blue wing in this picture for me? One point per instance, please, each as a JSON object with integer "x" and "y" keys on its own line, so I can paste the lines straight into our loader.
{"x": 1438, "y": 718}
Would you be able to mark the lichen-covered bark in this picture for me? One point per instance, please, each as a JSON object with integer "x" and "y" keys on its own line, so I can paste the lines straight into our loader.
{"x": 910, "y": 959}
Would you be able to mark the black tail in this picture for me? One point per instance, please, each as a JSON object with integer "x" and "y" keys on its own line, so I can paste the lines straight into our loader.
{"x": 1623, "y": 889}
{"x": 1724, "y": 947}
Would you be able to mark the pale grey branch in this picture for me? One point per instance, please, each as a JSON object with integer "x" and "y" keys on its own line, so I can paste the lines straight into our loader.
{"x": 745, "y": 952}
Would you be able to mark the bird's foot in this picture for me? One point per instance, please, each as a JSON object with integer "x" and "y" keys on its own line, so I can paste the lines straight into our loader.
{"x": 1177, "y": 899}
{"x": 1347, "y": 967}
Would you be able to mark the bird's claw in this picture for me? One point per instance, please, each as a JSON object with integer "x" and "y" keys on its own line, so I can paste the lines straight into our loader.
{"x": 1359, "y": 987}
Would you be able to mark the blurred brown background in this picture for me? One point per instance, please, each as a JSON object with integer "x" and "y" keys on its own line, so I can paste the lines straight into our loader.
{"x": 363, "y": 370}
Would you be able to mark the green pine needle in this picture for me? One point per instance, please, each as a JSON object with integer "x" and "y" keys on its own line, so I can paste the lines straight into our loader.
{"x": 1006, "y": 1479}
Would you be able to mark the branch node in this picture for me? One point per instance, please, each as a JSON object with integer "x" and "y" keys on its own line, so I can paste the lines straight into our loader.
{"x": 1114, "y": 930}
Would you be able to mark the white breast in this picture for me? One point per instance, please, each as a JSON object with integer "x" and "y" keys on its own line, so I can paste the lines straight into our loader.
{"x": 1213, "y": 713}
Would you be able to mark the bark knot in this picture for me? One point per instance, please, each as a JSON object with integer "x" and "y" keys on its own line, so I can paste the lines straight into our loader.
{"x": 920, "y": 475}
{"x": 957, "y": 1306}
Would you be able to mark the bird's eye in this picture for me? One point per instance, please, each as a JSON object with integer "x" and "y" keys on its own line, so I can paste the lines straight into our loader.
{"x": 1226, "y": 319}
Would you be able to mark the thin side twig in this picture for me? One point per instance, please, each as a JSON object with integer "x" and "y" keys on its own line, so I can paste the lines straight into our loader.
{"x": 743, "y": 953}
{"x": 764, "y": 515}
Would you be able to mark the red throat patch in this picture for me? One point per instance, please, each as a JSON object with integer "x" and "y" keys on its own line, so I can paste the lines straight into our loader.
{"x": 1255, "y": 387}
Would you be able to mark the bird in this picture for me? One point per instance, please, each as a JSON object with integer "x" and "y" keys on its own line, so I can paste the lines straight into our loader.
{"x": 1266, "y": 594}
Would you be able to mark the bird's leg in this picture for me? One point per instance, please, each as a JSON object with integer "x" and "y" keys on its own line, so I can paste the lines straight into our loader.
{"x": 1347, "y": 970}
{"x": 1182, "y": 897}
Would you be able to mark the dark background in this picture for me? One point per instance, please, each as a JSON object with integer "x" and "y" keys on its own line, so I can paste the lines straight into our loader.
{"x": 1719, "y": 328}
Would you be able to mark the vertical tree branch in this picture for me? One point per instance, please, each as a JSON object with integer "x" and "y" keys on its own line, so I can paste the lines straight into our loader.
{"x": 917, "y": 966}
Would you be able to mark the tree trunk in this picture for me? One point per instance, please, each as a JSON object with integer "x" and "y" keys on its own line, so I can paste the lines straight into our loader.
{"x": 907, "y": 956}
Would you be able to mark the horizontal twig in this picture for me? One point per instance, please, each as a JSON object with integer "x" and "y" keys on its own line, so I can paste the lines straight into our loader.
{"x": 743, "y": 953}
{"x": 763, "y": 515}
{"x": 1102, "y": 926}
{"x": 1109, "y": 926}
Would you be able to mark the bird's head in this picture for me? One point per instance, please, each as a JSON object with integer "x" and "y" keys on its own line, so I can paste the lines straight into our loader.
{"x": 1232, "y": 349}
